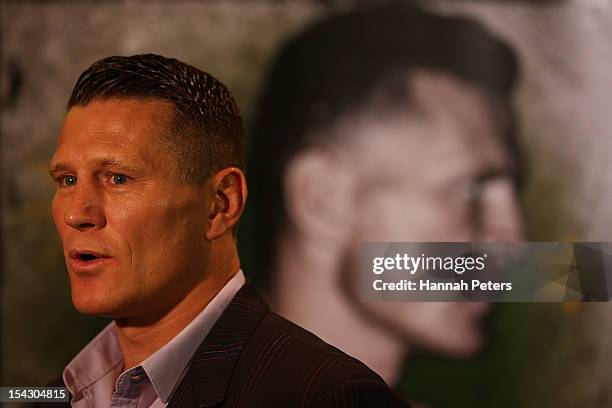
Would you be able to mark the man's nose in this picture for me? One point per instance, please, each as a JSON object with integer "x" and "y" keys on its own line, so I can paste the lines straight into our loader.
{"x": 502, "y": 219}
{"x": 506, "y": 229}
{"x": 85, "y": 210}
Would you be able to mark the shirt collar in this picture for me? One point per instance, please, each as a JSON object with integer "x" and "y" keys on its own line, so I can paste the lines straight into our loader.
{"x": 166, "y": 366}
{"x": 101, "y": 356}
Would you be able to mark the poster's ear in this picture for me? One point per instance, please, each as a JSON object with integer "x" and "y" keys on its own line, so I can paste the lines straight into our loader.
{"x": 318, "y": 194}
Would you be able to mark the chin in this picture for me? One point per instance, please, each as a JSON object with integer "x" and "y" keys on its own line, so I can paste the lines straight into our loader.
{"x": 92, "y": 302}
{"x": 91, "y": 307}
{"x": 92, "y": 296}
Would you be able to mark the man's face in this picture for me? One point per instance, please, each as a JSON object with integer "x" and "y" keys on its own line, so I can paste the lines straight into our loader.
{"x": 445, "y": 176}
{"x": 133, "y": 234}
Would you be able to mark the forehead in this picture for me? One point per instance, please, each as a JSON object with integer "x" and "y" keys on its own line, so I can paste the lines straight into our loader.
{"x": 451, "y": 132}
{"x": 130, "y": 127}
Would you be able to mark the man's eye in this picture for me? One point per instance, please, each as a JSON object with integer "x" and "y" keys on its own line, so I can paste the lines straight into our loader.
{"x": 119, "y": 179}
{"x": 68, "y": 180}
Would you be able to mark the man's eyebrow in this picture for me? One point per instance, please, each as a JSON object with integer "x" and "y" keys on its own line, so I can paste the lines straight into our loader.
{"x": 108, "y": 162}
{"x": 60, "y": 166}
{"x": 114, "y": 162}
{"x": 102, "y": 162}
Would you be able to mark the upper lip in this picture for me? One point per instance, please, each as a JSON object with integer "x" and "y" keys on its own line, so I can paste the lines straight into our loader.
{"x": 78, "y": 253}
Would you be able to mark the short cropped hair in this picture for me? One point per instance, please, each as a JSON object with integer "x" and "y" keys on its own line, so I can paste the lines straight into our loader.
{"x": 205, "y": 129}
{"x": 337, "y": 66}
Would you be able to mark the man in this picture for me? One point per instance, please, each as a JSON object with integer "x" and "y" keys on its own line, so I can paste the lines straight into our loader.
{"x": 150, "y": 180}
{"x": 388, "y": 124}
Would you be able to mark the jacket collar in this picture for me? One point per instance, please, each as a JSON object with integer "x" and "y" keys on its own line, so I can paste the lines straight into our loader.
{"x": 212, "y": 365}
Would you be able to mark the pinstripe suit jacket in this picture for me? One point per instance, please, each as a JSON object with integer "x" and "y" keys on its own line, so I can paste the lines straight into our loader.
{"x": 254, "y": 358}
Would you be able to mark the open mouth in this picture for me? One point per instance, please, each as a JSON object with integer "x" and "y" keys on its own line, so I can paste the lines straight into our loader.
{"x": 88, "y": 257}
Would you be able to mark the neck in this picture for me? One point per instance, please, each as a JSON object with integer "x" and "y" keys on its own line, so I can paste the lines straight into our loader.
{"x": 308, "y": 291}
{"x": 141, "y": 336}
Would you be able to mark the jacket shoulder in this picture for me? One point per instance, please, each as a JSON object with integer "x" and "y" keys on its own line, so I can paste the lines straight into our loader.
{"x": 308, "y": 348}
{"x": 299, "y": 369}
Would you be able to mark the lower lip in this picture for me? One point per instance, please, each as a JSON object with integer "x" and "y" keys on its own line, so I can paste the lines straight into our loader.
{"x": 81, "y": 266}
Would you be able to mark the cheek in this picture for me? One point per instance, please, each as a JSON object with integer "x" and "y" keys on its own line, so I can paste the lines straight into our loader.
{"x": 181, "y": 221}
{"x": 157, "y": 230}
{"x": 133, "y": 231}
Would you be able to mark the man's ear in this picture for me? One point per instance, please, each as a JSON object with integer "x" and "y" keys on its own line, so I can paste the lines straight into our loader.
{"x": 229, "y": 193}
{"x": 319, "y": 196}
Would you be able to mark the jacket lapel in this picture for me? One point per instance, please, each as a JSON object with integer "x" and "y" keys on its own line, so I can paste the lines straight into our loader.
{"x": 212, "y": 365}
